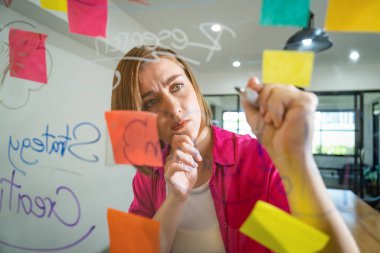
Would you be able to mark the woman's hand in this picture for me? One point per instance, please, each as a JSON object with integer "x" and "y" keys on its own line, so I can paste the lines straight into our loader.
{"x": 181, "y": 166}
{"x": 284, "y": 120}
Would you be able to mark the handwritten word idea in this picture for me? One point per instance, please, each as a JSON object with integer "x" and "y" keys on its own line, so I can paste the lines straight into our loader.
{"x": 178, "y": 41}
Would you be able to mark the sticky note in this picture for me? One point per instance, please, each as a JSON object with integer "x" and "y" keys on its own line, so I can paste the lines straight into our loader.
{"x": 27, "y": 55}
{"x": 134, "y": 137}
{"x": 353, "y": 16}
{"x": 288, "y": 67}
{"x": 7, "y": 3}
{"x": 132, "y": 233}
{"x": 281, "y": 232}
{"x": 57, "y": 5}
{"x": 285, "y": 13}
{"x": 88, "y": 17}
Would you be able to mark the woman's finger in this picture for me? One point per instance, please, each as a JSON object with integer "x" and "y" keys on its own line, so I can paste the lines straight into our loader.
{"x": 178, "y": 167}
{"x": 185, "y": 158}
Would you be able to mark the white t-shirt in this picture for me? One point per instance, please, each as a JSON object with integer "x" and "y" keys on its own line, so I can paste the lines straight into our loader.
{"x": 198, "y": 228}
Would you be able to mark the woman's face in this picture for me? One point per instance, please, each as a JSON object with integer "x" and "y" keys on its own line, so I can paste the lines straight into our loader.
{"x": 166, "y": 90}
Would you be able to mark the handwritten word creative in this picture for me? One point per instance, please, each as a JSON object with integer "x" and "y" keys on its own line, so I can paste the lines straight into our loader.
{"x": 15, "y": 199}
{"x": 178, "y": 40}
{"x": 74, "y": 141}
{"x": 134, "y": 137}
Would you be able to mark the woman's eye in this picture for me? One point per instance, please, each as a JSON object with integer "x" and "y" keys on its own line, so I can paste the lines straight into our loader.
{"x": 150, "y": 103}
{"x": 177, "y": 87}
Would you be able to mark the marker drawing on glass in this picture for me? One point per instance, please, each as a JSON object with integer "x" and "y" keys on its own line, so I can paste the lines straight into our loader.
{"x": 248, "y": 94}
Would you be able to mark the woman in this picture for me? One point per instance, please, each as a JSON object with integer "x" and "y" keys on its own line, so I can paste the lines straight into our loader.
{"x": 212, "y": 178}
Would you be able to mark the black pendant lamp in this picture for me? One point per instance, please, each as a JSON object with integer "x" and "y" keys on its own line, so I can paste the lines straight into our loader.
{"x": 309, "y": 39}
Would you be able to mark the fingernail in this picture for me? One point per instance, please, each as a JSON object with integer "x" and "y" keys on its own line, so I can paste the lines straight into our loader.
{"x": 195, "y": 165}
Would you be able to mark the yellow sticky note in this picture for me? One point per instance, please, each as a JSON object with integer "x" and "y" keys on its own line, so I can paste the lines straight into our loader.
{"x": 281, "y": 232}
{"x": 353, "y": 16}
{"x": 57, "y": 5}
{"x": 288, "y": 67}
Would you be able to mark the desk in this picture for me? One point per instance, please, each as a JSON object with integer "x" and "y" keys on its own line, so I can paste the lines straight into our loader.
{"x": 362, "y": 220}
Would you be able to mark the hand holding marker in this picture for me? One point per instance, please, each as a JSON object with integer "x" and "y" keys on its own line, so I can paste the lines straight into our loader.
{"x": 249, "y": 94}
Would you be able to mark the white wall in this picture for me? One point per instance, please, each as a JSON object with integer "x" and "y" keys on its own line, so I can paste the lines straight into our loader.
{"x": 76, "y": 96}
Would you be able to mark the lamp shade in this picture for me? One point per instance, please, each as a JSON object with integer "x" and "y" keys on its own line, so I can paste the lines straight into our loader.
{"x": 309, "y": 39}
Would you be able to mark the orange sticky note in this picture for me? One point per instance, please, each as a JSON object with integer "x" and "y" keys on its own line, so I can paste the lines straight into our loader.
{"x": 27, "y": 55}
{"x": 57, "y": 5}
{"x": 288, "y": 67}
{"x": 134, "y": 137}
{"x": 132, "y": 233}
{"x": 353, "y": 16}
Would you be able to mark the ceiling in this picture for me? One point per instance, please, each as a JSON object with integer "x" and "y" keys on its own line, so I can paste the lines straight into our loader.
{"x": 242, "y": 38}
{"x": 251, "y": 39}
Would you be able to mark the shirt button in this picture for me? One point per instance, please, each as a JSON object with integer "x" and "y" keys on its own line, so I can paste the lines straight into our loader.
{"x": 225, "y": 225}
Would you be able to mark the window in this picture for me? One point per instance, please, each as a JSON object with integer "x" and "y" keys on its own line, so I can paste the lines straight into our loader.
{"x": 334, "y": 133}
{"x": 236, "y": 122}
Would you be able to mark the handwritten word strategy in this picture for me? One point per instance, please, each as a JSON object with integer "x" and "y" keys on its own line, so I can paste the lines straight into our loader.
{"x": 75, "y": 142}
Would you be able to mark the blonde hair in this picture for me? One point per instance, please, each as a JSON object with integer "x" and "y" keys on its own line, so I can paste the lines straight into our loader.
{"x": 126, "y": 95}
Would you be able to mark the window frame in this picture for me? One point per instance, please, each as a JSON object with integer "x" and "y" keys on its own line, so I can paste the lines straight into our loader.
{"x": 354, "y": 131}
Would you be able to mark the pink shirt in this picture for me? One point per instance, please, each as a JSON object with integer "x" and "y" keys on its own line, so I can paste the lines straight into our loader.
{"x": 242, "y": 174}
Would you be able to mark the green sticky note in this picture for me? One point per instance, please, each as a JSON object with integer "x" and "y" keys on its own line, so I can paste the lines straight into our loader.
{"x": 281, "y": 232}
{"x": 285, "y": 13}
{"x": 288, "y": 67}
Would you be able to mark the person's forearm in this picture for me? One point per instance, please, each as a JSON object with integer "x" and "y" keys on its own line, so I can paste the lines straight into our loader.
{"x": 168, "y": 216}
{"x": 309, "y": 202}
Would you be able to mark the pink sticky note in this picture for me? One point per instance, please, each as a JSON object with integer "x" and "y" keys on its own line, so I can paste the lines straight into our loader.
{"x": 134, "y": 137}
{"x": 27, "y": 55}
{"x": 88, "y": 17}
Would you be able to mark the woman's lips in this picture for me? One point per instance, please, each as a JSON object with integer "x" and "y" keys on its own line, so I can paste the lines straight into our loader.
{"x": 179, "y": 125}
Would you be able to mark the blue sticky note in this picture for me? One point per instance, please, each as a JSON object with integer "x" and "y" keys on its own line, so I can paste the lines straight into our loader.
{"x": 285, "y": 13}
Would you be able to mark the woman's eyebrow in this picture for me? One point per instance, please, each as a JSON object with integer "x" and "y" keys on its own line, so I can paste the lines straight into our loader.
{"x": 167, "y": 82}
{"x": 171, "y": 79}
{"x": 147, "y": 94}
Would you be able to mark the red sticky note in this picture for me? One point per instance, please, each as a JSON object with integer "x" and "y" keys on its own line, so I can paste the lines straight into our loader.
{"x": 134, "y": 137}
{"x": 27, "y": 55}
{"x": 132, "y": 233}
{"x": 87, "y": 17}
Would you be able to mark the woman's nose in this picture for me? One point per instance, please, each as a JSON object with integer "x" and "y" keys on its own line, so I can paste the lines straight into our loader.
{"x": 171, "y": 107}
